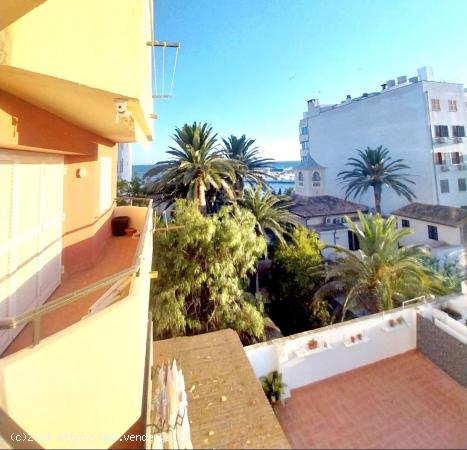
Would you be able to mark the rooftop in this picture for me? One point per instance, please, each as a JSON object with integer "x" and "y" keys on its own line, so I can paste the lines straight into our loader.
{"x": 215, "y": 365}
{"x": 324, "y": 205}
{"x": 308, "y": 163}
{"x": 401, "y": 402}
{"x": 445, "y": 215}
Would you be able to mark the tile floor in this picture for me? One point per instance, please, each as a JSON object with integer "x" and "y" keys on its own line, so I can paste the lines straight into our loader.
{"x": 400, "y": 402}
{"x": 118, "y": 254}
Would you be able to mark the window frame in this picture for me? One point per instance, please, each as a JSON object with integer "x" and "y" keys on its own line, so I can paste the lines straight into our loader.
{"x": 444, "y": 183}
{"x": 438, "y": 132}
{"x": 301, "y": 131}
{"x": 437, "y": 102}
{"x": 458, "y": 131}
{"x": 464, "y": 182}
{"x": 300, "y": 178}
{"x": 354, "y": 243}
{"x": 433, "y": 232}
{"x": 405, "y": 223}
{"x": 452, "y": 105}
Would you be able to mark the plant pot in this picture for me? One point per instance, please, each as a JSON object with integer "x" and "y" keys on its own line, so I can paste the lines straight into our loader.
{"x": 130, "y": 231}
{"x": 119, "y": 224}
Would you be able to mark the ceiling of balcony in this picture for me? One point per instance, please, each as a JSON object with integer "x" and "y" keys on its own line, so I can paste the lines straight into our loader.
{"x": 11, "y": 10}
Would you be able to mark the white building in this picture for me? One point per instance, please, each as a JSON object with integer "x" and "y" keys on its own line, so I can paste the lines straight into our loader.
{"x": 125, "y": 162}
{"x": 320, "y": 212}
{"x": 442, "y": 229}
{"x": 417, "y": 119}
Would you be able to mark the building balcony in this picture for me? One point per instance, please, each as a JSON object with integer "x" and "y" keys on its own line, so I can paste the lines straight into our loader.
{"x": 80, "y": 51}
{"x": 70, "y": 353}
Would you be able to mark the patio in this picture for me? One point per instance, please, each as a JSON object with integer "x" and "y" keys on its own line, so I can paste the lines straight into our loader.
{"x": 401, "y": 402}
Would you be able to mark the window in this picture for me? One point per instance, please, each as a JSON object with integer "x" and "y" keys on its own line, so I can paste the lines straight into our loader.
{"x": 300, "y": 178}
{"x": 444, "y": 186}
{"x": 353, "y": 240}
{"x": 438, "y": 158}
{"x": 316, "y": 176}
{"x": 432, "y": 232}
{"x": 305, "y": 145}
{"x": 462, "y": 185}
{"x": 304, "y": 130}
{"x": 452, "y": 105}
{"x": 435, "y": 105}
{"x": 405, "y": 223}
{"x": 441, "y": 131}
{"x": 456, "y": 158}
{"x": 458, "y": 131}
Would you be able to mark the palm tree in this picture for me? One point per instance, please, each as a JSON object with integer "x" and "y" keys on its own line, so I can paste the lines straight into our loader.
{"x": 252, "y": 167}
{"x": 374, "y": 168}
{"x": 271, "y": 213}
{"x": 195, "y": 167}
{"x": 380, "y": 275}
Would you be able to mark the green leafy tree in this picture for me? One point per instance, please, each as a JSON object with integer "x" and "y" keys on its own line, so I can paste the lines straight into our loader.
{"x": 196, "y": 166}
{"x": 374, "y": 168}
{"x": 252, "y": 167}
{"x": 380, "y": 276}
{"x": 297, "y": 272}
{"x": 203, "y": 268}
{"x": 270, "y": 211}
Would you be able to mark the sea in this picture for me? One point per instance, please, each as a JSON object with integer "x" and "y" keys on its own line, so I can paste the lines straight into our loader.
{"x": 276, "y": 167}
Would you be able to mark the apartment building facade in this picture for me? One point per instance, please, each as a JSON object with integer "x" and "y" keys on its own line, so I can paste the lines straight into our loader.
{"x": 418, "y": 119}
{"x": 72, "y": 87}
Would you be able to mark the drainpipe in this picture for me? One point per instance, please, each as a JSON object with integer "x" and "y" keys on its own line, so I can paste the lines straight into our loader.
{"x": 432, "y": 147}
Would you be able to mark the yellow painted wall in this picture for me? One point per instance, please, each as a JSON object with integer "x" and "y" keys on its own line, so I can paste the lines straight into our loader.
{"x": 82, "y": 387}
{"x": 100, "y": 44}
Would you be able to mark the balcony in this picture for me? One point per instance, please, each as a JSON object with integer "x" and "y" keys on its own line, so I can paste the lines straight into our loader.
{"x": 365, "y": 383}
{"x": 86, "y": 58}
{"x": 70, "y": 357}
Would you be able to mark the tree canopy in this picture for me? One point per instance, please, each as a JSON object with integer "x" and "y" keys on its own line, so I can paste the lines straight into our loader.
{"x": 203, "y": 269}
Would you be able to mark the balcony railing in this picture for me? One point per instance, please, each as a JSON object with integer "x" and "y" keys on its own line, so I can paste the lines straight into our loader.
{"x": 117, "y": 281}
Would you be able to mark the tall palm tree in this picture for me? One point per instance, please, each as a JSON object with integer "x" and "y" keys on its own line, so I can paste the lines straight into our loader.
{"x": 271, "y": 213}
{"x": 380, "y": 275}
{"x": 375, "y": 168}
{"x": 196, "y": 165}
{"x": 253, "y": 166}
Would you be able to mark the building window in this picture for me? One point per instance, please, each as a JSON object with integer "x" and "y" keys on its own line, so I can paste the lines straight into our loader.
{"x": 305, "y": 145}
{"x": 405, "y": 223}
{"x": 316, "y": 176}
{"x": 432, "y": 232}
{"x": 444, "y": 184}
{"x": 441, "y": 131}
{"x": 435, "y": 104}
{"x": 438, "y": 158}
{"x": 353, "y": 241}
{"x": 452, "y": 105}
{"x": 304, "y": 130}
{"x": 300, "y": 178}
{"x": 458, "y": 131}
{"x": 462, "y": 185}
{"x": 456, "y": 158}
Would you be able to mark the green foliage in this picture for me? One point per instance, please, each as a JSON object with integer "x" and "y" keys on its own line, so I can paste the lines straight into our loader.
{"x": 297, "y": 272}
{"x": 273, "y": 387}
{"x": 289, "y": 191}
{"x": 375, "y": 168}
{"x": 252, "y": 167}
{"x": 134, "y": 188}
{"x": 270, "y": 211}
{"x": 450, "y": 272}
{"x": 196, "y": 166}
{"x": 380, "y": 276}
{"x": 203, "y": 269}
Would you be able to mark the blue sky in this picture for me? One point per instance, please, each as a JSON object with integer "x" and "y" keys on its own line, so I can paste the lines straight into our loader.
{"x": 248, "y": 66}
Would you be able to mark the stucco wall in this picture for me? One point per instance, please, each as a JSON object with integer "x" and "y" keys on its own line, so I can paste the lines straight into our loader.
{"x": 448, "y": 234}
{"x": 397, "y": 120}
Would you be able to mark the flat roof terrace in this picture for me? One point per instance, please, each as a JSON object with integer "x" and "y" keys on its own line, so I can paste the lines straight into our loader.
{"x": 404, "y": 401}
{"x": 214, "y": 366}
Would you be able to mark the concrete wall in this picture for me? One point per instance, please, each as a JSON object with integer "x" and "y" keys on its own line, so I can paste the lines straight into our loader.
{"x": 82, "y": 387}
{"x": 396, "y": 119}
{"x": 380, "y": 342}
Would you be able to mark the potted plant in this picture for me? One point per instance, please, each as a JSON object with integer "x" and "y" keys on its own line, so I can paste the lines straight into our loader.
{"x": 273, "y": 387}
